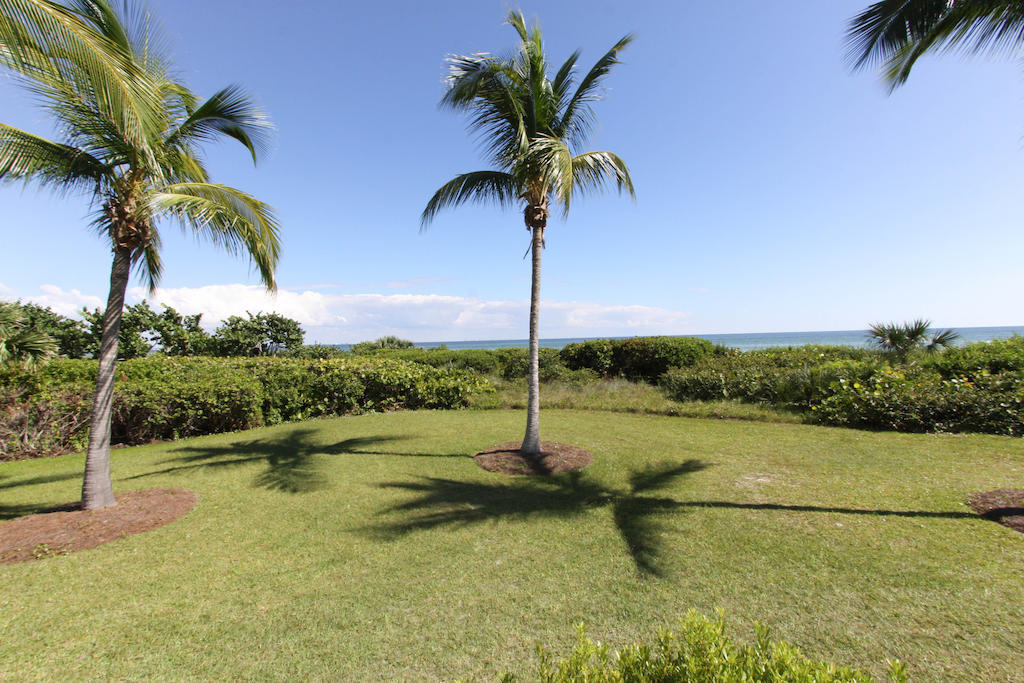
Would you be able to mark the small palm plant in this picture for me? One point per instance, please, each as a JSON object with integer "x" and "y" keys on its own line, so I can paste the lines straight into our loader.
{"x": 903, "y": 339}
{"x": 20, "y": 342}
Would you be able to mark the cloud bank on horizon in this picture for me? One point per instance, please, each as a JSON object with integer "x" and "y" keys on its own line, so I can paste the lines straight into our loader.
{"x": 347, "y": 318}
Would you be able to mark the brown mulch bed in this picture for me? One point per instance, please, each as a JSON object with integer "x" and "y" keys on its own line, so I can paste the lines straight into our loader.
{"x": 1005, "y": 506}
{"x": 68, "y": 528}
{"x": 554, "y": 458}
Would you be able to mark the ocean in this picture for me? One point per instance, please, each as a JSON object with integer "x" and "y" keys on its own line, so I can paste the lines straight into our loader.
{"x": 743, "y": 342}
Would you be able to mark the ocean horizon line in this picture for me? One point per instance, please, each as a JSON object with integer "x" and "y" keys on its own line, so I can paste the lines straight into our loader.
{"x": 744, "y": 341}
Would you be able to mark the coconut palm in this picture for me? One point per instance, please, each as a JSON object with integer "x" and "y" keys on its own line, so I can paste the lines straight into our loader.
{"x": 896, "y": 33}
{"x": 530, "y": 125}
{"x": 130, "y": 136}
{"x": 902, "y": 339}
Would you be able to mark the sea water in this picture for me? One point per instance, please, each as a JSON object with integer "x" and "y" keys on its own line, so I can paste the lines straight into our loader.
{"x": 743, "y": 342}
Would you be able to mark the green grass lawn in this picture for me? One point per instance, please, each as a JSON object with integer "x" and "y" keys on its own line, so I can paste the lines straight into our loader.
{"x": 373, "y": 547}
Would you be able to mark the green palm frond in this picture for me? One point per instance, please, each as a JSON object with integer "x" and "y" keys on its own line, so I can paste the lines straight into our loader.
{"x": 228, "y": 217}
{"x": 594, "y": 170}
{"x": 896, "y": 33}
{"x": 229, "y": 112}
{"x": 24, "y": 156}
{"x": 577, "y": 119}
{"x": 480, "y": 185}
{"x": 48, "y": 44}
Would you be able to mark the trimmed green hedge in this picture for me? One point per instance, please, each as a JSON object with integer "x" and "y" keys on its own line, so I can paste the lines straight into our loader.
{"x": 161, "y": 398}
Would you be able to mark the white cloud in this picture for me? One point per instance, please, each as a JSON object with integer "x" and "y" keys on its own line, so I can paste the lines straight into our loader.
{"x": 341, "y": 318}
{"x": 64, "y": 302}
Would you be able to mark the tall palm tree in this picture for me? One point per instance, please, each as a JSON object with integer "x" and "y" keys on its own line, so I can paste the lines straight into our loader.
{"x": 130, "y": 137}
{"x": 896, "y": 33}
{"x": 529, "y": 124}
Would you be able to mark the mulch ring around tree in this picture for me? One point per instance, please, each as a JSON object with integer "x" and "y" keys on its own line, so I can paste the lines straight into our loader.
{"x": 68, "y": 528}
{"x": 554, "y": 458}
{"x": 1005, "y": 506}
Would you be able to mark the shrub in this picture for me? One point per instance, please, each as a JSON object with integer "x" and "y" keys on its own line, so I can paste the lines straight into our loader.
{"x": 891, "y": 400}
{"x": 315, "y": 352}
{"x": 648, "y": 358}
{"x": 46, "y": 413}
{"x": 700, "y": 652}
{"x": 595, "y": 355}
{"x": 993, "y": 357}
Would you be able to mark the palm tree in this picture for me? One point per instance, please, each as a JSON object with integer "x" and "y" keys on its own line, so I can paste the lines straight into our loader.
{"x": 131, "y": 134}
{"x": 529, "y": 124}
{"x": 902, "y": 339}
{"x": 896, "y": 33}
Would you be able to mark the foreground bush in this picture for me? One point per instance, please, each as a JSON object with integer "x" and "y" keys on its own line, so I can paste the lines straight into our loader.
{"x": 700, "y": 652}
{"x": 161, "y": 398}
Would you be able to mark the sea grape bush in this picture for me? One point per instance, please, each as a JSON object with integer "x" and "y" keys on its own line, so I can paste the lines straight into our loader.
{"x": 992, "y": 404}
{"x": 977, "y": 388}
{"x": 700, "y": 651}
{"x": 974, "y": 360}
{"x": 159, "y": 398}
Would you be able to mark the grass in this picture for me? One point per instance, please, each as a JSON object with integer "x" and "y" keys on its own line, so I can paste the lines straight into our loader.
{"x": 374, "y": 547}
{"x": 622, "y": 396}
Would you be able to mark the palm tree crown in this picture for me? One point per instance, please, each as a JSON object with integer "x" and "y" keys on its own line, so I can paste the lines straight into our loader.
{"x": 896, "y": 33}
{"x": 130, "y": 132}
{"x": 528, "y": 124}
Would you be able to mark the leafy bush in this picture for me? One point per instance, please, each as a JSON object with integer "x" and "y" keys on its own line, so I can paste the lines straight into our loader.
{"x": 785, "y": 379}
{"x": 974, "y": 360}
{"x": 595, "y": 355}
{"x": 52, "y": 423}
{"x": 389, "y": 342}
{"x": 700, "y": 652}
{"x": 925, "y": 403}
{"x": 46, "y": 413}
{"x": 315, "y": 352}
{"x": 648, "y": 358}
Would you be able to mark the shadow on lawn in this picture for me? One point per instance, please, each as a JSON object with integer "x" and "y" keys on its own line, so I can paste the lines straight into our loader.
{"x": 642, "y": 516}
{"x": 638, "y": 512}
{"x": 289, "y": 458}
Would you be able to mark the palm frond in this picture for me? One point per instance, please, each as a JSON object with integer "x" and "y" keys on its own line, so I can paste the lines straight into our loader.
{"x": 577, "y": 118}
{"x": 46, "y": 43}
{"x": 28, "y": 157}
{"x": 487, "y": 88}
{"x": 896, "y": 33}
{"x": 226, "y": 216}
{"x": 494, "y": 186}
{"x": 229, "y": 112}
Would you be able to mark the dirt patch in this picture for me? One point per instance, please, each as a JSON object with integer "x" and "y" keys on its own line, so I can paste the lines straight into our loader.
{"x": 68, "y": 528}
{"x": 1005, "y": 506}
{"x": 554, "y": 458}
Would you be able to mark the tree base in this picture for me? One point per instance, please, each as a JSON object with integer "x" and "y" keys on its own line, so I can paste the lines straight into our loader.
{"x": 554, "y": 458}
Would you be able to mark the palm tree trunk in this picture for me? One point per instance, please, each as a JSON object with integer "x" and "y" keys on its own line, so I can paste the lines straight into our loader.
{"x": 97, "y": 490}
{"x": 531, "y": 442}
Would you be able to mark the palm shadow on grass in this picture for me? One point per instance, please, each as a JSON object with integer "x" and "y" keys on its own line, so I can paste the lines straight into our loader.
{"x": 638, "y": 511}
{"x": 289, "y": 458}
{"x": 643, "y": 515}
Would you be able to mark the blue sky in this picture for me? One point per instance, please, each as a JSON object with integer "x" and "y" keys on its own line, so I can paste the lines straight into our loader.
{"x": 776, "y": 189}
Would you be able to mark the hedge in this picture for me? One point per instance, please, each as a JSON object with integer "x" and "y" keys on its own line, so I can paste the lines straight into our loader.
{"x": 159, "y": 398}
